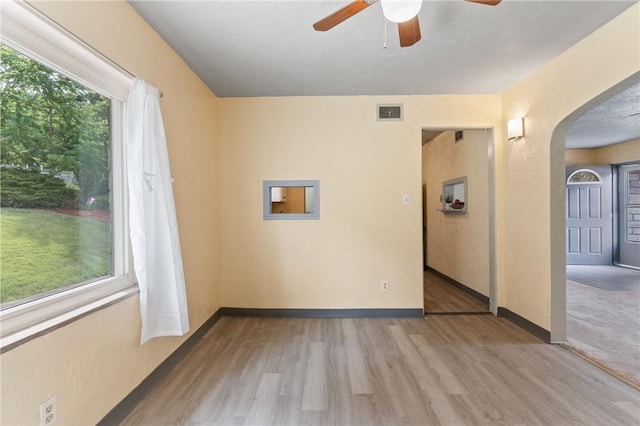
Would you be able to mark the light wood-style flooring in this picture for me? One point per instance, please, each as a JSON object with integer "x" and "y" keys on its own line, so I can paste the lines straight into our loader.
{"x": 603, "y": 316}
{"x": 441, "y": 296}
{"x": 437, "y": 370}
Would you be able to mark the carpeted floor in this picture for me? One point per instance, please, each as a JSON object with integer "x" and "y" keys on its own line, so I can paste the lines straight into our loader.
{"x": 603, "y": 316}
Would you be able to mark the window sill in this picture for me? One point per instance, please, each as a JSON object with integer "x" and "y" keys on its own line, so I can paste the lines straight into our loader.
{"x": 14, "y": 340}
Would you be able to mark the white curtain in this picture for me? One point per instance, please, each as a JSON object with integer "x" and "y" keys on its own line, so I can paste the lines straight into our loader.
{"x": 152, "y": 218}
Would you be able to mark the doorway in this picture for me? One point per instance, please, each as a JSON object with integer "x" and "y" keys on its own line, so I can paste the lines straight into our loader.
{"x": 459, "y": 244}
{"x": 601, "y": 298}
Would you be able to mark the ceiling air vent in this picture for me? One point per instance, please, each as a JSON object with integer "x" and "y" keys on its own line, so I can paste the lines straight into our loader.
{"x": 389, "y": 112}
{"x": 459, "y": 135}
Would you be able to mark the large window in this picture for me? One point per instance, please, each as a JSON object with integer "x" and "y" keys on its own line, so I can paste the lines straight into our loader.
{"x": 64, "y": 236}
{"x": 54, "y": 191}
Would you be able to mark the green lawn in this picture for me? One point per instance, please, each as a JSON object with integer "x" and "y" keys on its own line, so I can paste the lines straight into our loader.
{"x": 41, "y": 250}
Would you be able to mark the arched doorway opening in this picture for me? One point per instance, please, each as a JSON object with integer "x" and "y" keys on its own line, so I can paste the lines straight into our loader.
{"x": 562, "y": 241}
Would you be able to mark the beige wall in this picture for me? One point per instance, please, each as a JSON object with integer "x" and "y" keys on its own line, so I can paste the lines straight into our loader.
{"x": 613, "y": 154}
{"x": 618, "y": 153}
{"x": 365, "y": 234}
{"x": 534, "y": 166}
{"x": 93, "y": 363}
{"x": 458, "y": 244}
{"x": 579, "y": 157}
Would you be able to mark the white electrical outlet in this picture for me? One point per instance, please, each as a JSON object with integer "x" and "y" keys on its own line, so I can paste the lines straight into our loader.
{"x": 48, "y": 415}
{"x": 384, "y": 285}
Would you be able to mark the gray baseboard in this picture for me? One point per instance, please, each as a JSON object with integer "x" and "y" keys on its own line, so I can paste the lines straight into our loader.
{"x": 525, "y": 324}
{"x": 322, "y": 313}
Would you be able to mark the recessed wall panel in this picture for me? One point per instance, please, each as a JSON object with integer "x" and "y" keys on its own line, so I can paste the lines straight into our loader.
{"x": 573, "y": 240}
{"x": 595, "y": 240}
{"x": 573, "y": 203}
{"x": 594, "y": 203}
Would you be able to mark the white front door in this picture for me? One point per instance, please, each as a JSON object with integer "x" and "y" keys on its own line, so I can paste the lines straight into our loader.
{"x": 589, "y": 216}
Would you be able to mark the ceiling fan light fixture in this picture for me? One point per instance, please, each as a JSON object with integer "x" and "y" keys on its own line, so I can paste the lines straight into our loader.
{"x": 400, "y": 10}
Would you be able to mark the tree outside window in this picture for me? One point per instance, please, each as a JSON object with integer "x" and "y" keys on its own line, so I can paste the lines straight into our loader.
{"x": 54, "y": 182}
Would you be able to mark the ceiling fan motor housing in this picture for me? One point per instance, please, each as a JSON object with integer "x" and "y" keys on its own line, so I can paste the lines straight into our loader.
{"x": 400, "y": 10}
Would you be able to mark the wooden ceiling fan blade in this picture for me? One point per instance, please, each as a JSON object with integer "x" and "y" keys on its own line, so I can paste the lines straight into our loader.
{"x": 342, "y": 15}
{"x": 409, "y": 32}
{"x": 487, "y": 2}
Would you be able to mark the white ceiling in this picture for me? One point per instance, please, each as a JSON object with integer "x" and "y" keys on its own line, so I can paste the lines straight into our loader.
{"x": 269, "y": 48}
{"x": 616, "y": 120}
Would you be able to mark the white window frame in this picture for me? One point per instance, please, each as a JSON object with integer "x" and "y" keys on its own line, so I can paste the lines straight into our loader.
{"x": 29, "y": 32}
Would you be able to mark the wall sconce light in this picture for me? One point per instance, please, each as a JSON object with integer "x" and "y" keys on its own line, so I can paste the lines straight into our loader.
{"x": 515, "y": 129}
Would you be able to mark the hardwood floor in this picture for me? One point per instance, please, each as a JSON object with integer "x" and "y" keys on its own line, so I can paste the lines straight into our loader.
{"x": 449, "y": 370}
{"x": 441, "y": 296}
{"x": 603, "y": 316}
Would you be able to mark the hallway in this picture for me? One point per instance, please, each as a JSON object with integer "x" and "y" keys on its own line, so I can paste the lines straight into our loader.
{"x": 443, "y": 297}
{"x": 603, "y": 316}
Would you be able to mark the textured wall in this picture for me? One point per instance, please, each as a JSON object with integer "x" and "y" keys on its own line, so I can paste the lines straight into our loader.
{"x": 618, "y": 153}
{"x": 91, "y": 364}
{"x": 613, "y": 154}
{"x": 551, "y": 99}
{"x": 579, "y": 157}
{"x": 365, "y": 234}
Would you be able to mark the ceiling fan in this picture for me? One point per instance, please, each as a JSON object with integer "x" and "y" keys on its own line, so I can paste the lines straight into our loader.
{"x": 403, "y": 12}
